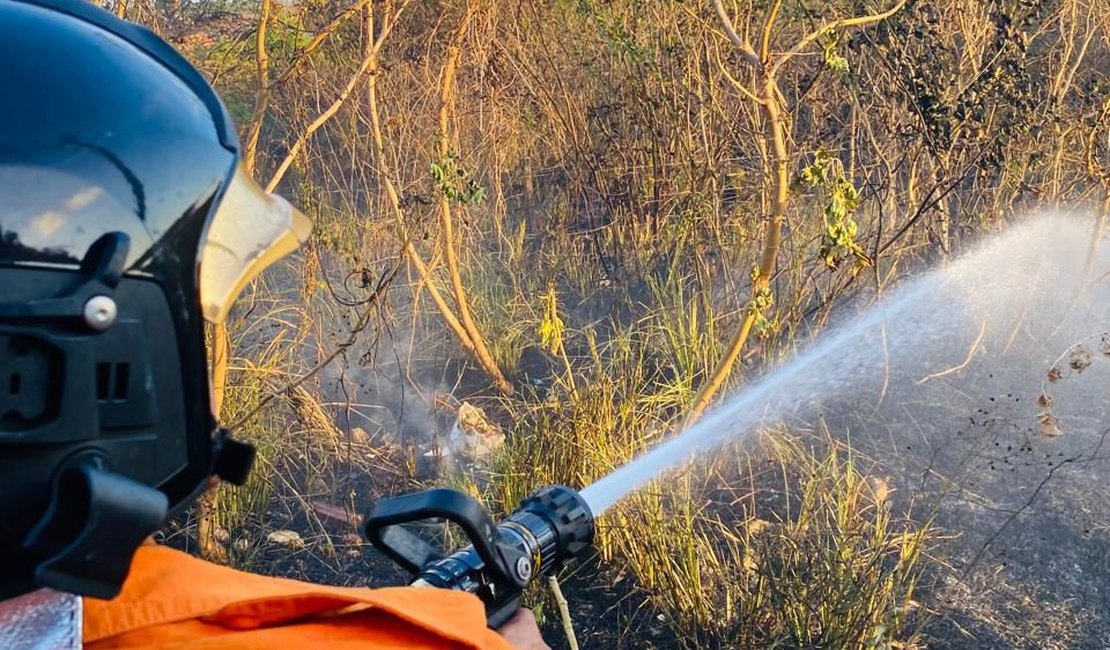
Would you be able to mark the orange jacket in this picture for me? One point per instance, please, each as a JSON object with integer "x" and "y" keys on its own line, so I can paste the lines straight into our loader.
{"x": 172, "y": 601}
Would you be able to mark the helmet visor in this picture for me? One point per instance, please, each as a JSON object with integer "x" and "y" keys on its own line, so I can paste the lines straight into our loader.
{"x": 251, "y": 230}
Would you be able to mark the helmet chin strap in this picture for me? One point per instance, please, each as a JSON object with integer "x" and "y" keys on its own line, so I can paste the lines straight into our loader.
{"x": 92, "y": 527}
{"x": 97, "y": 519}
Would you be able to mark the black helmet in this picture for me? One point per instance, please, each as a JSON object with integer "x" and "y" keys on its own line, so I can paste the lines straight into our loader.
{"x": 125, "y": 221}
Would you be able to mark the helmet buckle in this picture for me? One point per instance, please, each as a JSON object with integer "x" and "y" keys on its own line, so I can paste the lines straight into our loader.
{"x": 95, "y": 521}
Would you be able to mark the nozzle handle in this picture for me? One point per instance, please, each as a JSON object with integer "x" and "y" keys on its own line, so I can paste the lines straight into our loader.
{"x": 383, "y": 528}
{"x": 500, "y": 614}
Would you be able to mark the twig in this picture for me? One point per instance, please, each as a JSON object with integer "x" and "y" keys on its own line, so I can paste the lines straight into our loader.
{"x": 564, "y": 611}
{"x": 320, "y": 120}
{"x": 1017, "y": 326}
{"x": 768, "y": 25}
{"x": 745, "y": 47}
{"x": 858, "y": 21}
{"x": 1014, "y": 515}
{"x": 736, "y": 83}
{"x": 970, "y": 356}
{"x": 886, "y": 369}
{"x": 326, "y": 31}
{"x": 363, "y": 322}
{"x": 1058, "y": 363}
{"x": 1096, "y": 237}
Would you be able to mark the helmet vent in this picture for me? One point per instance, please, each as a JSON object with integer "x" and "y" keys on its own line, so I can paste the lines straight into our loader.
{"x": 15, "y": 383}
{"x": 103, "y": 381}
{"x": 123, "y": 372}
{"x": 112, "y": 381}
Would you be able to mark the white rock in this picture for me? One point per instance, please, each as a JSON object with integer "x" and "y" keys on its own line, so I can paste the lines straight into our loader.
{"x": 473, "y": 435}
{"x": 287, "y": 538}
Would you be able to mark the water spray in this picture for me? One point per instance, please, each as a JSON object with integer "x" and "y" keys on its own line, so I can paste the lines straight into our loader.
{"x": 551, "y": 527}
{"x": 556, "y": 523}
{"x": 1011, "y": 281}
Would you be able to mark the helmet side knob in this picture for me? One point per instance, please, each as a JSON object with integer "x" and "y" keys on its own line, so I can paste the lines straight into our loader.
{"x": 100, "y": 312}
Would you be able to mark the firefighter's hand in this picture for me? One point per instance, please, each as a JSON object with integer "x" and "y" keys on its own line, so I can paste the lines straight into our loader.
{"x": 522, "y": 632}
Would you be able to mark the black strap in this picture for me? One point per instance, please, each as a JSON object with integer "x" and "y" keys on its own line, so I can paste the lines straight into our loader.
{"x": 232, "y": 460}
{"x": 95, "y": 522}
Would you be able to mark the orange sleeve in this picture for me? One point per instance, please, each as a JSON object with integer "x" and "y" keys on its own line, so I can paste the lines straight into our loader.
{"x": 173, "y": 601}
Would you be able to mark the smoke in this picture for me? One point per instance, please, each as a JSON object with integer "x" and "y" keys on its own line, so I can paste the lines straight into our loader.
{"x": 388, "y": 398}
{"x": 407, "y": 389}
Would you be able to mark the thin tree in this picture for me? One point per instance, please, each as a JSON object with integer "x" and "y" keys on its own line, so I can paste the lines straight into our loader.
{"x": 765, "y": 67}
{"x": 461, "y": 325}
{"x": 443, "y": 149}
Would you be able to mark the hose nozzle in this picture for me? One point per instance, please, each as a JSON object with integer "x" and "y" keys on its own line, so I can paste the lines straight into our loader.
{"x": 549, "y": 528}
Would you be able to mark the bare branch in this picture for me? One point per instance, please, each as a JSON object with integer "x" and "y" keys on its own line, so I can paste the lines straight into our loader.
{"x": 736, "y": 83}
{"x": 858, "y": 21}
{"x": 1094, "y": 167}
{"x": 327, "y": 114}
{"x": 363, "y": 321}
{"x": 387, "y": 25}
{"x": 765, "y": 40}
{"x": 262, "y": 61}
{"x": 319, "y": 38}
{"x": 958, "y": 367}
{"x": 319, "y": 122}
{"x": 730, "y": 30}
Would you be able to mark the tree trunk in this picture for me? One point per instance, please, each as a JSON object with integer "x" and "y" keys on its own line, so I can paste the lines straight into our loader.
{"x": 262, "y": 61}
{"x": 447, "y": 93}
{"x": 453, "y": 323}
{"x": 772, "y": 237}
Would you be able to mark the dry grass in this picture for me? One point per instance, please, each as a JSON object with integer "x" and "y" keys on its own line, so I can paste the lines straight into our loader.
{"x": 621, "y": 169}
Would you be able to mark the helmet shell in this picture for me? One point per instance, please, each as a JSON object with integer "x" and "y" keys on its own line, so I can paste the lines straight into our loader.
{"x": 103, "y": 129}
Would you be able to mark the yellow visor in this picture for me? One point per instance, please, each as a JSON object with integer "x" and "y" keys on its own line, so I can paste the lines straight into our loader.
{"x": 250, "y": 231}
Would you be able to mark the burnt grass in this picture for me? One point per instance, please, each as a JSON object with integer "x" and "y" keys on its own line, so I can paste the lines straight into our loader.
{"x": 1037, "y": 584}
{"x": 607, "y": 609}
{"x": 1022, "y": 563}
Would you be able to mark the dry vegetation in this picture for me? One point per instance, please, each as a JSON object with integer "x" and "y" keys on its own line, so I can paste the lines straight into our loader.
{"x": 593, "y": 217}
